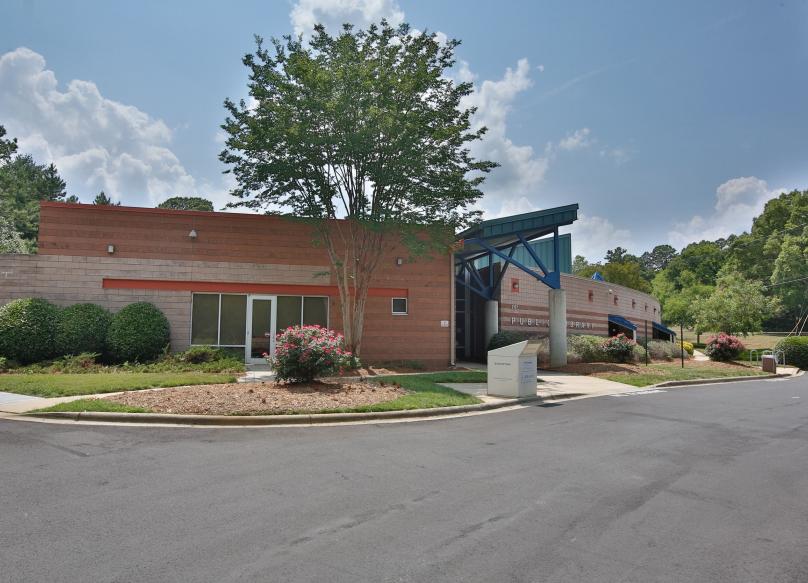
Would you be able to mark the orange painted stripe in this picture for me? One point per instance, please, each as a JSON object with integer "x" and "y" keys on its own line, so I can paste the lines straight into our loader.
{"x": 244, "y": 287}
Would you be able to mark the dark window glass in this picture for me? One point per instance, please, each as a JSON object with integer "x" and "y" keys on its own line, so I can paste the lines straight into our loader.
{"x": 399, "y": 305}
{"x": 288, "y": 312}
{"x": 205, "y": 319}
{"x": 315, "y": 311}
{"x": 233, "y": 320}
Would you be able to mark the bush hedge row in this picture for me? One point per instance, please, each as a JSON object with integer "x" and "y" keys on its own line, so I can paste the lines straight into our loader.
{"x": 33, "y": 330}
{"x": 795, "y": 351}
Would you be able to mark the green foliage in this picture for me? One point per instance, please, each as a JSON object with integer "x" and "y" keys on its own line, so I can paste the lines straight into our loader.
{"x": 795, "y": 351}
{"x": 736, "y": 306}
{"x": 201, "y": 354}
{"x": 84, "y": 362}
{"x": 304, "y": 353}
{"x": 654, "y": 261}
{"x": 10, "y": 240}
{"x": 8, "y": 147}
{"x": 625, "y": 273}
{"x": 506, "y": 338}
{"x": 724, "y": 347}
{"x": 579, "y": 264}
{"x": 619, "y": 348}
{"x": 586, "y": 348}
{"x": 82, "y": 328}
{"x": 139, "y": 332}
{"x": 703, "y": 260}
{"x": 187, "y": 203}
{"x": 101, "y": 199}
{"x": 23, "y": 183}
{"x": 366, "y": 125}
{"x": 27, "y": 328}
{"x": 4, "y": 365}
{"x": 791, "y": 266}
{"x": 664, "y": 350}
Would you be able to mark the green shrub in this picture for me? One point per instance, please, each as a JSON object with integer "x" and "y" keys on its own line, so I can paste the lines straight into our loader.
{"x": 3, "y": 364}
{"x": 200, "y": 354}
{"x": 27, "y": 329}
{"x": 76, "y": 363}
{"x": 795, "y": 350}
{"x": 619, "y": 348}
{"x": 82, "y": 328}
{"x": 586, "y": 348}
{"x": 506, "y": 338}
{"x": 639, "y": 353}
{"x": 724, "y": 347}
{"x": 139, "y": 332}
{"x": 303, "y": 353}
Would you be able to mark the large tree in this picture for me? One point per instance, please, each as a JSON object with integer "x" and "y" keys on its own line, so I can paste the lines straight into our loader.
{"x": 657, "y": 259}
{"x": 187, "y": 203}
{"x": 364, "y": 126}
{"x": 736, "y": 306}
{"x": 101, "y": 199}
{"x": 23, "y": 183}
{"x": 8, "y": 147}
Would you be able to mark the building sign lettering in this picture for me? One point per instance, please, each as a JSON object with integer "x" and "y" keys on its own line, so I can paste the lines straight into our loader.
{"x": 545, "y": 323}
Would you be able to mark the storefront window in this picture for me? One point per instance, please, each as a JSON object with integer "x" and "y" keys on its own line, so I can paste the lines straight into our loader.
{"x": 205, "y": 319}
{"x": 315, "y": 311}
{"x": 232, "y": 320}
{"x": 289, "y": 311}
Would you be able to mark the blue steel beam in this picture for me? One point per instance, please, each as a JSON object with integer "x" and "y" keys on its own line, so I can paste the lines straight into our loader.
{"x": 552, "y": 279}
{"x": 534, "y": 255}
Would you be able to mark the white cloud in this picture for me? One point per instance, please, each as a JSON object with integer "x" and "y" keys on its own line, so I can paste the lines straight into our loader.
{"x": 617, "y": 155}
{"x": 95, "y": 142}
{"x": 521, "y": 168}
{"x": 576, "y": 140}
{"x": 592, "y": 236}
{"x": 737, "y": 202}
{"x": 334, "y": 13}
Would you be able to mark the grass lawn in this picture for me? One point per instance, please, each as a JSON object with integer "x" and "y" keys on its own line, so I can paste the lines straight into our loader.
{"x": 657, "y": 373}
{"x": 64, "y": 385}
{"x": 101, "y": 405}
{"x": 424, "y": 391}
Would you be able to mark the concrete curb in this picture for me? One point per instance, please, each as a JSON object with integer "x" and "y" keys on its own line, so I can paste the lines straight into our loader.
{"x": 313, "y": 419}
{"x": 718, "y": 380}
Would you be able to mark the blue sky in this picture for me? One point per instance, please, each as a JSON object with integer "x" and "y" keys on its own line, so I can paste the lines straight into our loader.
{"x": 666, "y": 122}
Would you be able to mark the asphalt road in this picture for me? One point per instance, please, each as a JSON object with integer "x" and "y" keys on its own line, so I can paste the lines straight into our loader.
{"x": 697, "y": 484}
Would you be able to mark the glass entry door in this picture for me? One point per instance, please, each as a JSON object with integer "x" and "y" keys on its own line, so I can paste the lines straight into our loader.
{"x": 260, "y": 327}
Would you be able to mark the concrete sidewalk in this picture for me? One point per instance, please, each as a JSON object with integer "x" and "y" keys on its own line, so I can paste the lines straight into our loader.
{"x": 14, "y": 403}
{"x": 553, "y": 385}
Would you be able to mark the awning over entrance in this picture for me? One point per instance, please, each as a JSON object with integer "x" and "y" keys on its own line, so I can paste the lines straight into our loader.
{"x": 501, "y": 238}
{"x": 663, "y": 329}
{"x": 621, "y": 321}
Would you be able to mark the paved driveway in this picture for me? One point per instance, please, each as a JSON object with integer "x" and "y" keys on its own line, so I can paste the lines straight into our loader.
{"x": 690, "y": 485}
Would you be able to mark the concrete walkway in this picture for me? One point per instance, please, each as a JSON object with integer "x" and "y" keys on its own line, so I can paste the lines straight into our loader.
{"x": 14, "y": 403}
{"x": 552, "y": 385}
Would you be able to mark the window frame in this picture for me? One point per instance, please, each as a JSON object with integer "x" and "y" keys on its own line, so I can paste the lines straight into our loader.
{"x": 218, "y": 320}
{"x": 406, "y": 311}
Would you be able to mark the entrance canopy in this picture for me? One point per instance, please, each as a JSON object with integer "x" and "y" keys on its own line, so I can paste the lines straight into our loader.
{"x": 621, "y": 321}
{"x": 664, "y": 330}
{"x": 501, "y": 238}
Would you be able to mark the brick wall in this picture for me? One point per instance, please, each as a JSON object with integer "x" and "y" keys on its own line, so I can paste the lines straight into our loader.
{"x": 527, "y": 309}
{"x": 153, "y": 244}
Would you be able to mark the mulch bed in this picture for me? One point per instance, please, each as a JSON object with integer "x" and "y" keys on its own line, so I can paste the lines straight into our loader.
{"x": 605, "y": 368}
{"x": 259, "y": 398}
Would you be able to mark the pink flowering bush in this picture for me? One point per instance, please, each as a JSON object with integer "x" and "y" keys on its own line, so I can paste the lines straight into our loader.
{"x": 619, "y": 348}
{"x": 724, "y": 347}
{"x": 303, "y": 353}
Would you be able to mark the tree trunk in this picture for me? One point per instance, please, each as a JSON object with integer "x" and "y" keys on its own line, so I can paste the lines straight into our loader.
{"x": 354, "y": 252}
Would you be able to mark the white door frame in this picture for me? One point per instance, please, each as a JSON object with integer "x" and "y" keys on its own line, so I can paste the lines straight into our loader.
{"x": 248, "y": 332}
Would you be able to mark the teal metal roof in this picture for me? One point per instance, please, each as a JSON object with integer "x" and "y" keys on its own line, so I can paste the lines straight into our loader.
{"x": 544, "y": 220}
{"x": 544, "y": 249}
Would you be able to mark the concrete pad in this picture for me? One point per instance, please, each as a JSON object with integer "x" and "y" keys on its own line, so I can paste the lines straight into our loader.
{"x": 25, "y": 403}
{"x": 554, "y": 382}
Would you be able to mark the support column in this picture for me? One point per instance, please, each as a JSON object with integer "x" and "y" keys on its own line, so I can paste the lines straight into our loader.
{"x": 558, "y": 327}
{"x": 491, "y": 320}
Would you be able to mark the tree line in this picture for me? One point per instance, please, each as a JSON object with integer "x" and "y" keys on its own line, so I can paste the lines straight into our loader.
{"x": 24, "y": 183}
{"x": 757, "y": 280}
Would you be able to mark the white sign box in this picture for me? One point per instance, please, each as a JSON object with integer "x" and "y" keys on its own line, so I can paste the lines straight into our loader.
{"x": 512, "y": 370}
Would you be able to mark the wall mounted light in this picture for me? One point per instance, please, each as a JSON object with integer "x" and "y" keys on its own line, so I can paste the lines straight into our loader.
{"x": 192, "y": 235}
{"x": 110, "y": 248}
{"x": 399, "y": 261}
